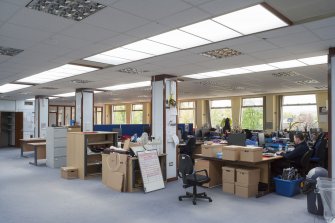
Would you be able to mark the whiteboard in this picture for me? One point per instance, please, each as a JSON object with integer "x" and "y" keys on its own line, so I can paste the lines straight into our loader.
{"x": 150, "y": 170}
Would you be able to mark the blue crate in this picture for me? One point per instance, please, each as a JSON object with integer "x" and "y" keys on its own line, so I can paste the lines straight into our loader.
{"x": 287, "y": 188}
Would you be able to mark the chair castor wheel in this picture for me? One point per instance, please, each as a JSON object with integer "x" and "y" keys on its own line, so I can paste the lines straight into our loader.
{"x": 180, "y": 199}
{"x": 194, "y": 202}
{"x": 210, "y": 200}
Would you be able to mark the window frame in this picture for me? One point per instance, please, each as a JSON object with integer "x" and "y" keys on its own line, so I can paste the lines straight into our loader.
{"x": 114, "y": 111}
{"x": 188, "y": 109}
{"x": 136, "y": 110}
{"x": 254, "y": 106}
{"x": 225, "y": 107}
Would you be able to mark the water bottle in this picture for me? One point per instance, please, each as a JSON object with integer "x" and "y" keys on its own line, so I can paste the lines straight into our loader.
{"x": 256, "y": 143}
{"x": 280, "y": 147}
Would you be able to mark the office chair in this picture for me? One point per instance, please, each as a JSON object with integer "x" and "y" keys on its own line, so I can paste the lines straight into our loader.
{"x": 319, "y": 154}
{"x": 192, "y": 179}
{"x": 305, "y": 163}
{"x": 189, "y": 147}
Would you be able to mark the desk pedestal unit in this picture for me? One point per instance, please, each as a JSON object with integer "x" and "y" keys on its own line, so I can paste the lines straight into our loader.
{"x": 79, "y": 154}
{"x": 25, "y": 147}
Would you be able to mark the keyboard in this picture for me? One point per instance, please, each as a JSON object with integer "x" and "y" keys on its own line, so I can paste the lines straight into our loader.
{"x": 269, "y": 154}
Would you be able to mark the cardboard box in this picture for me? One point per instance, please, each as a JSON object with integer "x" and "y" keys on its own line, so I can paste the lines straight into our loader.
{"x": 69, "y": 172}
{"x": 228, "y": 174}
{"x": 114, "y": 171}
{"x": 231, "y": 152}
{"x": 214, "y": 171}
{"x": 247, "y": 176}
{"x": 251, "y": 154}
{"x": 228, "y": 187}
{"x": 211, "y": 150}
{"x": 246, "y": 191}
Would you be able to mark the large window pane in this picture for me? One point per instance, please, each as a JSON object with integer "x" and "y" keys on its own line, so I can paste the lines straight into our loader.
{"x": 299, "y": 112}
{"x": 186, "y": 112}
{"x": 252, "y": 118}
{"x": 219, "y": 114}
{"x": 119, "y": 114}
{"x": 220, "y": 110}
{"x": 252, "y": 102}
{"x": 137, "y": 114}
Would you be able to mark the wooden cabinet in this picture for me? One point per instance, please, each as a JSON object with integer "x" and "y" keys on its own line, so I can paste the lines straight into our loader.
{"x": 80, "y": 155}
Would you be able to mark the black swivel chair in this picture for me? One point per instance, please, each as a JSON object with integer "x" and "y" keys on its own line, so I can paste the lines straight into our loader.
{"x": 189, "y": 147}
{"x": 305, "y": 163}
{"x": 192, "y": 179}
{"x": 319, "y": 155}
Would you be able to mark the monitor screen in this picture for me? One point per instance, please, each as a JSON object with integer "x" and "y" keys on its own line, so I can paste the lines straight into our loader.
{"x": 237, "y": 139}
{"x": 119, "y": 132}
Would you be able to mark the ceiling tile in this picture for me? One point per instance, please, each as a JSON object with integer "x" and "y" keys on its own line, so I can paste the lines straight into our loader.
{"x": 46, "y": 49}
{"x": 15, "y": 43}
{"x": 184, "y": 18}
{"x": 88, "y": 32}
{"x": 17, "y": 2}
{"x": 217, "y": 8}
{"x": 326, "y": 32}
{"x": 197, "y": 2}
{"x": 119, "y": 40}
{"x": 294, "y": 39}
{"x": 255, "y": 46}
{"x": 20, "y": 32}
{"x": 272, "y": 54}
{"x": 320, "y": 23}
{"x": 7, "y": 10}
{"x": 148, "y": 30}
{"x": 2, "y": 59}
{"x": 115, "y": 20}
{"x": 40, "y": 20}
{"x": 65, "y": 41}
{"x": 152, "y": 9}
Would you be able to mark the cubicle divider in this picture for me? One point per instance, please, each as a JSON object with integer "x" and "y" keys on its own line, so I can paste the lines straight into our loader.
{"x": 131, "y": 129}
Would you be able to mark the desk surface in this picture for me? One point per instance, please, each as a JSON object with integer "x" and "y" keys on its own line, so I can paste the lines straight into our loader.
{"x": 196, "y": 143}
{"x": 136, "y": 158}
{"x": 264, "y": 159}
{"x": 38, "y": 144}
{"x": 33, "y": 140}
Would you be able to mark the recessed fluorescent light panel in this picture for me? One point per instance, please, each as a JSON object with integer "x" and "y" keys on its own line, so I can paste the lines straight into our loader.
{"x": 251, "y": 20}
{"x": 70, "y": 9}
{"x": 30, "y": 99}
{"x": 287, "y": 64}
{"x": 150, "y": 47}
{"x": 221, "y": 53}
{"x": 51, "y": 98}
{"x": 246, "y": 21}
{"x": 315, "y": 60}
{"x": 7, "y": 51}
{"x": 70, "y": 94}
{"x": 65, "y": 71}
{"x": 127, "y": 86}
{"x": 179, "y": 39}
{"x": 235, "y": 71}
{"x": 260, "y": 68}
{"x": 211, "y": 30}
{"x": 12, "y": 87}
{"x": 102, "y": 58}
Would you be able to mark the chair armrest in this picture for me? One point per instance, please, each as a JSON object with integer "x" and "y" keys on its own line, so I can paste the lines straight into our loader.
{"x": 199, "y": 171}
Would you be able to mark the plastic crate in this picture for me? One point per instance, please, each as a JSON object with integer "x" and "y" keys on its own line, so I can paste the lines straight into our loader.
{"x": 326, "y": 188}
{"x": 287, "y": 188}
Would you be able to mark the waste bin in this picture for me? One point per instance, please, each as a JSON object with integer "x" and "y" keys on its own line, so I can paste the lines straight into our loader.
{"x": 326, "y": 188}
{"x": 314, "y": 202}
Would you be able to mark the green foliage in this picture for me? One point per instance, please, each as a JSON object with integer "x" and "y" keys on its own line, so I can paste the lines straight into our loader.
{"x": 137, "y": 117}
{"x": 217, "y": 115}
{"x": 186, "y": 116}
{"x": 252, "y": 118}
{"x": 119, "y": 117}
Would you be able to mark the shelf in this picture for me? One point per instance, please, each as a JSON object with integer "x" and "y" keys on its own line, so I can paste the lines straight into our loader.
{"x": 100, "y": 143}
{"x": 94, "y": 164}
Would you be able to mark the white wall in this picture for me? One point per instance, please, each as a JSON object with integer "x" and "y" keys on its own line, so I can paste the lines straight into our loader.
{"x": 28, "y": 118}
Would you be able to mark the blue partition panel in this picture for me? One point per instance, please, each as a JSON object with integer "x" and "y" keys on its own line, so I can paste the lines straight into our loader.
{"x": 182, "y": 127}
{"x": 125, "y": 129}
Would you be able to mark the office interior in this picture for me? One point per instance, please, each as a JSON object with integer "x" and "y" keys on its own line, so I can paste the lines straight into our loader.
{"x": 69, "y": 69}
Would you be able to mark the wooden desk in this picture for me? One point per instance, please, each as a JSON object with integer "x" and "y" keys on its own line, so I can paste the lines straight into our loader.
{"x": 133, "y": 169}
{"x": 40, "y": 151}
{"x": 264, "y": 165}
{"x": 197, "y": 149}
{"x": 25, "y": 147}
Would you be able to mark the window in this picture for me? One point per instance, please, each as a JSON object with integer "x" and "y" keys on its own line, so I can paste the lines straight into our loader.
{"x": 97, "y": 115}
{"x": 119, "y": 114}
{"x": 299, "y": 112}
{"x": 252, "y": 113}
{"x": 220, "y": 110}
{"x": 137, "y": 114}
{"x": 186, "y": 112}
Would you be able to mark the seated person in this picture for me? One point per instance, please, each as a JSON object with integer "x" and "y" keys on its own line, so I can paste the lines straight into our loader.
{"x": 300, "y": 148}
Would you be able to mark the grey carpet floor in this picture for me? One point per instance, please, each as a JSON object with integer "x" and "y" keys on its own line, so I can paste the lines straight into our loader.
{"x": 30, "y": 194}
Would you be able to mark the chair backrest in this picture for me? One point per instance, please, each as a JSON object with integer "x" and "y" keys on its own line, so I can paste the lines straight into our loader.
{"x": 191, "y": 143}
{"x": 304, "y": 162}
{"x": 185, "y": 166}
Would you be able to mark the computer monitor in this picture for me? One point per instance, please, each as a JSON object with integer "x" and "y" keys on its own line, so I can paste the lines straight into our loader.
{"x": 205, "y": 132}
{"x": 119, "y": 132}
{"x": 237, "y": 139}
{"x": 261, "y": 139}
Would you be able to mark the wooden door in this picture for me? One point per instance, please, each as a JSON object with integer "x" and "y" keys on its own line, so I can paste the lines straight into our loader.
{"x": 18, "y": 128}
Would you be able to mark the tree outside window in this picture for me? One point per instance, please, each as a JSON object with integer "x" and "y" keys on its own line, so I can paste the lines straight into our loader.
{"x": 97, "y": 115}
{"x": 119, "y": 114}
{"x": 299, "y": 112}
{"x": 220, "y": 109}
{"x": 252, "y": 113}
{"x": 137, "y": 114}
{"x": 186, "y": 112}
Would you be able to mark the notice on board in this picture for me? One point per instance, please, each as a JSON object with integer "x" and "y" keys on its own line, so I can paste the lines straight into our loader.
{"x": 151, "y": 171}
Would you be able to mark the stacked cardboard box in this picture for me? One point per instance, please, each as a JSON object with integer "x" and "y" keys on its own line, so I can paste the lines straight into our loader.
{"x": 211, "y": 150}
{"x": 213, "y": 169}
{"x": 247, "y": 180}
{"x": 228, "y": 179}
{"x": 231, "y": 152}
{"x": 114, "y": 171}
{"x": 251, "y": 154}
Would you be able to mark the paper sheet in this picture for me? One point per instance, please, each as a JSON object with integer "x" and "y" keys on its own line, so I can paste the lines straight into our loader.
{"x": 175, "y": 139}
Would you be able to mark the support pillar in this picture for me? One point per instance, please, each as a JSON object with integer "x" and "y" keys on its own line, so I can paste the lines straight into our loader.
{"x": 41, "y": 116}
{"x": 331, "y": 101}
{"x": 84, "y": 109}
{"x": 164, "y": 119}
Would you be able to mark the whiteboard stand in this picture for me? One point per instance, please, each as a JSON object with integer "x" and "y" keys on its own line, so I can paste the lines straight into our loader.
{"x": 150, "y": 170}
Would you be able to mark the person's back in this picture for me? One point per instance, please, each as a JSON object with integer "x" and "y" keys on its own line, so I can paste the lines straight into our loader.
{"x": 300, "y": 149}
